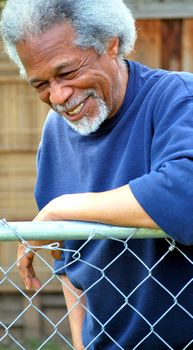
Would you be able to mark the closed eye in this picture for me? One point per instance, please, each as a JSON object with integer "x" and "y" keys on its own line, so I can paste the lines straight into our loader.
{"x": 67, "y": 75}
{"x": 40, "y": 86}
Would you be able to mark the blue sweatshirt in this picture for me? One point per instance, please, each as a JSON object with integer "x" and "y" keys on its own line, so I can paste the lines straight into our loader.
{"x": 148, "y": 144}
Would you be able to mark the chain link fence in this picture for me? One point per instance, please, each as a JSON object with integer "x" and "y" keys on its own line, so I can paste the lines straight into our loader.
{"x": 31, "y": 310}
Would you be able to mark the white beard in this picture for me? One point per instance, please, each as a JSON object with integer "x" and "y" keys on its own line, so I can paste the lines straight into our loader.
{"x": 87, "y": 125}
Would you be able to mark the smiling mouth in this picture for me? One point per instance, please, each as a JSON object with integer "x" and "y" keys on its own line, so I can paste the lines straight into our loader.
{"x": 76, "y": 110}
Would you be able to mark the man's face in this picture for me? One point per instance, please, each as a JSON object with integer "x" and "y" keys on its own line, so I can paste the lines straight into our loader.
{"x": 80, "y": 84}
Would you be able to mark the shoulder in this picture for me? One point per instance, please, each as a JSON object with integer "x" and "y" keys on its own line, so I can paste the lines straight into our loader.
{"x": 163, "y": 79}
{"x": 159, "y": 89}
{"x": 180, "y": 84}
{"x": 185, "y": 82}
{"x": 173, "y": 101}
{"x": 170, "y": 89}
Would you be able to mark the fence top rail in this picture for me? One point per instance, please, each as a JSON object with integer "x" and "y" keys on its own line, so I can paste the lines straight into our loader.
{"x": 68, "y": 230}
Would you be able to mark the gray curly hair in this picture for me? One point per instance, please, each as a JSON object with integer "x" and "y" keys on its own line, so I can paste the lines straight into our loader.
{"x": 95, "y": 22}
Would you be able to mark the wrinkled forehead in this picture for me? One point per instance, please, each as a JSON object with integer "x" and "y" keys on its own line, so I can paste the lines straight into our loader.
{"x": 54, "y": 44}
{"x": 60, "y": 36}
{"x": 44, "y": 55}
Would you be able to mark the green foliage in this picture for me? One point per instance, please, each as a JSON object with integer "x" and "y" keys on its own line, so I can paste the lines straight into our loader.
{"x": 2, "y": 3}
{"x": 34, "y": 344}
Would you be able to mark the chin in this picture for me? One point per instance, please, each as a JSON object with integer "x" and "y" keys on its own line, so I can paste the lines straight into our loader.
{"x": 87, "y": 125}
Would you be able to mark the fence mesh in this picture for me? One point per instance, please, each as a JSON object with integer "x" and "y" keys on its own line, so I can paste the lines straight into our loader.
{"x": 57, "y": 334}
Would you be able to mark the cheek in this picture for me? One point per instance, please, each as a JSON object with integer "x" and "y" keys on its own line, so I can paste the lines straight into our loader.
{"x": 105, "y": 92}
{"x": 96, "y": 80}
{"x": 94, "y": 107}
{"x": 44, "y": 97}
{"x": 110, "y": 98}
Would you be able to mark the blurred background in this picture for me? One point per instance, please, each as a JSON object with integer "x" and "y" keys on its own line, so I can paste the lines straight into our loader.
{"x": 164, "y": 41}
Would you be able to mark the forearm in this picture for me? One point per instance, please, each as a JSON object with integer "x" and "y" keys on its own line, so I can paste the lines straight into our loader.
{"x": 119, "y": 207}
{"x": 76, "y": 311}
{"x": 114, "y": 207}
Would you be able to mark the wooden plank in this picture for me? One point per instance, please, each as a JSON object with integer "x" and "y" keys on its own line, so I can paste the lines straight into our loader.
{"x": 171, "y": 44}
{"x": 148, "y": 45}
{"x": 22, "y": 117}
{"x": 187, "y": 45}
{"x": 31, "y": 328}
{"x": 10, "y": 79}
{"x": 161, "y": 9}
{"x": 7, "y": 67}
{"x": 17, "y": 178}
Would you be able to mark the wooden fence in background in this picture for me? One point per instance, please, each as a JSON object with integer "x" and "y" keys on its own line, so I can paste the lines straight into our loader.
{"x": 22, "y": 117}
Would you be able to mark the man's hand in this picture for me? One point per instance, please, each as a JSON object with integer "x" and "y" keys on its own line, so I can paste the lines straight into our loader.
{"x": 25, "y": 262}
{"x": 26, "y": 268}
{"x": 52, "y": 211}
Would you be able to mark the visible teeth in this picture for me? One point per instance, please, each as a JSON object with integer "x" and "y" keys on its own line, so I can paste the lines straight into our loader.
{"x": 76, "y": 110}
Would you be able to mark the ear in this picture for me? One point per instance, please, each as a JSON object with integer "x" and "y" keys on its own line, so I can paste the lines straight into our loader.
{"x": 113, "y": 47}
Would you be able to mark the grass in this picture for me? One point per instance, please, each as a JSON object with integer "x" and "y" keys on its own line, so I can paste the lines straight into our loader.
{"x": 49, "y": 347}
{"x": 33, "y": 345}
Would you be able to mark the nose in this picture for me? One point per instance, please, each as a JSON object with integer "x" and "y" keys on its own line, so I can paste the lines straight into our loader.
{"x": 59, "y": 93}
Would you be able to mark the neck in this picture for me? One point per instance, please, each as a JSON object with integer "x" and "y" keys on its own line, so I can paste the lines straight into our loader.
{"x": 121, "y": 85}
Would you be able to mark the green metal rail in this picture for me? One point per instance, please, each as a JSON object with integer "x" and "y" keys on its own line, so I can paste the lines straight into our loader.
{"x": 65, "y": 230}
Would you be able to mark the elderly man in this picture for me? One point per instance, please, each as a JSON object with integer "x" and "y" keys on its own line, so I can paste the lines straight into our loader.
{"x": 117, "y": 148}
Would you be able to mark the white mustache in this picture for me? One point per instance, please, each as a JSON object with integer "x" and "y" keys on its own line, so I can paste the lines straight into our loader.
{"x": 68, "y": 106}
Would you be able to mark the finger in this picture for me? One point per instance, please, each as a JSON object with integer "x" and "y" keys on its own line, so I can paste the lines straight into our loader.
{"x": 31, "y": 283}
{"x": 35, "y": 283}
{"x": 26, "y": 269}
{"x": 26, "y": 272}
{"x": 29, "y": 278}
